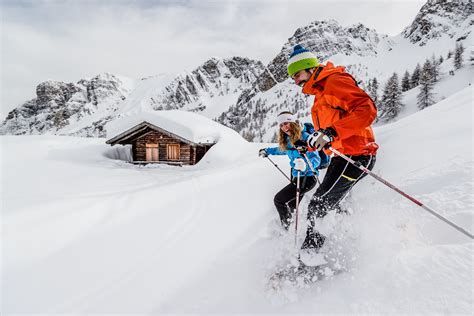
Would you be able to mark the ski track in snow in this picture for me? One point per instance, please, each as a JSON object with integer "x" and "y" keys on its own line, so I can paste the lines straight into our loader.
{"x": 172, "y": 238}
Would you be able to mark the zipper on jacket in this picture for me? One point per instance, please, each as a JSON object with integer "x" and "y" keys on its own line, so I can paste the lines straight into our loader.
{"x": 317, "y": 118}
{"x": 318, "y": 71}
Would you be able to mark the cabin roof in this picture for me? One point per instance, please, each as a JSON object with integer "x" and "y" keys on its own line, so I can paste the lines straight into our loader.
{"x": 143, "y": 128}
{"x": 188, "y": 127}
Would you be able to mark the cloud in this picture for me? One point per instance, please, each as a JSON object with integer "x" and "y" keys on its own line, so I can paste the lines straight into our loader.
{"x": 70, "y": 40}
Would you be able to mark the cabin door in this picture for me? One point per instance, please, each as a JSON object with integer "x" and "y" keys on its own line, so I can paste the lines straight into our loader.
{"x": 173, "y": 151}
{"x": 151, "y": 152}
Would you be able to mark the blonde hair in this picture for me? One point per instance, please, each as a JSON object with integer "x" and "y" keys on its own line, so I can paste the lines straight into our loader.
{"x": 295, "y": 134}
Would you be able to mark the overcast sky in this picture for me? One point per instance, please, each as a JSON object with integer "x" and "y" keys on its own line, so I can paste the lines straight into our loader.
{"x": 70, "y": 40}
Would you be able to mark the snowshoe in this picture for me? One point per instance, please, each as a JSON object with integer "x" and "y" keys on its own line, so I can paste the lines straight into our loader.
{"x": 301, "y": 275}
{"x": 285, "y": 223}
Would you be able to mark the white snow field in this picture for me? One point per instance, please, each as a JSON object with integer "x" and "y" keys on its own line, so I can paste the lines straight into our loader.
{"x": 85, "y": 233}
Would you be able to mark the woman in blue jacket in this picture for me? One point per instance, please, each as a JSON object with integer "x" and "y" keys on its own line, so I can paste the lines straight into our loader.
{"x": 290, "y": 134}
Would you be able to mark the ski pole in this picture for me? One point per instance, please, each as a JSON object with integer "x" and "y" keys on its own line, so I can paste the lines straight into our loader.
{"x": 312, "y": 169}
{"x": 297, "y": 206}
{"x": 391, "y": 186}
{"x": 302, "y": 151}
{"x": 279, "y": 168}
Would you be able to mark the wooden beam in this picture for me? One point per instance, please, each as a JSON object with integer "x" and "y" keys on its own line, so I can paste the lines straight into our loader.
{"x": 130, "y": 136}
{"x": 117, "y": 138}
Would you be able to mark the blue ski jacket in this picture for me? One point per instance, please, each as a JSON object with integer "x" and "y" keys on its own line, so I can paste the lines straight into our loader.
{"x": 318, "y": 160}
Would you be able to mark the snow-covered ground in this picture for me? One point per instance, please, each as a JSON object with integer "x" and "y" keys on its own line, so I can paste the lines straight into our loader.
{"x": 83, "y": 233}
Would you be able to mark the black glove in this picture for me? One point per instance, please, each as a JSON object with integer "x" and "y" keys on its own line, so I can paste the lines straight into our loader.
{"x": 301, "y": 146}
{"x": 329, "y": 132}
{"x": 263, "y": 153}
{"x": 302, "y": 149}
{"x": 322, "y": 138}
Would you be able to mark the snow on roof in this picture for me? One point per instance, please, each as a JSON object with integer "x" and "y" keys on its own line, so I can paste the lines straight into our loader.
{"x": 190, "y": 126}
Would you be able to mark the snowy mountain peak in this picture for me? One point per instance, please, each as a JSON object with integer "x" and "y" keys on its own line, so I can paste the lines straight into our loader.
{"x": 214, "y": 78}
{"x": 438, "y": 18}
{"x": 59, "y": 104}
{"x": 103, "y": 86}
{"x": 54, "y": 93}
{"x": 325, "y": 38}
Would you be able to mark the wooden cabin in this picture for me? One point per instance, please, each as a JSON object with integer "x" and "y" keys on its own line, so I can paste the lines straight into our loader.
{"x": 153, "y": 144}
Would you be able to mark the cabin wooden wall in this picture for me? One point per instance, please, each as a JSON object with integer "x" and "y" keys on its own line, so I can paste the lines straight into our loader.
{"x": 200, "y": 151}
{"x": 186, "y": 156}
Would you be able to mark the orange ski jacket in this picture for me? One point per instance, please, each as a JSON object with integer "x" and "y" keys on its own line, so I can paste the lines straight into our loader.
{"x": 340, "y": 104}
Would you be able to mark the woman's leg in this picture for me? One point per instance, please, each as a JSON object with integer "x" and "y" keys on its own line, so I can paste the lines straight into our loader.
{"x": 285, "y": 199}
{"x": 281, "y": 200}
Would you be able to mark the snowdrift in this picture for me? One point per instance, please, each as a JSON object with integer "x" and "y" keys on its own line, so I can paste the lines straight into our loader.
{"x": 83, "y": 233}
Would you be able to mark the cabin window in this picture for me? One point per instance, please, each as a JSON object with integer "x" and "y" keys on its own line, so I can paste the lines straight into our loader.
{"x": 173, "y": 151}
{"x": 151, "y": 152}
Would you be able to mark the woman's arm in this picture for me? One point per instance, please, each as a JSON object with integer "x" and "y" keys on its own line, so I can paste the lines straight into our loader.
{"x": 275, "y": 151}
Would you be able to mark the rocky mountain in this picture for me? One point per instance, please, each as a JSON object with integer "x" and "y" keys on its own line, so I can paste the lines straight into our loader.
{"x": 212, "y": 79}
{"x": 83, "y": 108}
{"x": 57, "y": 104}
{"x": 241, "y": 93}
{"x": 328, "y": 38}
{"x": 438, "y": 18}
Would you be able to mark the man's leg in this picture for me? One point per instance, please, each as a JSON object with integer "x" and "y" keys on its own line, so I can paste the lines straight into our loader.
{"x": 340, "y": 177}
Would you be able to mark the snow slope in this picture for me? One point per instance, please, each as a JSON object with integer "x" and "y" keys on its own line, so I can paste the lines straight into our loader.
{"x": 83, "y": 233}
{"x": 446, "y": 86}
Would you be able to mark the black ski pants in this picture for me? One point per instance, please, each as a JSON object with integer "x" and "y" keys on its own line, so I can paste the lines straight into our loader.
{"x": 340, "y": 177}
{"x": 285, "y": 199}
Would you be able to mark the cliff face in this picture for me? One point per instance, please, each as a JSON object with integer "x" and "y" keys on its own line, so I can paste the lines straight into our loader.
{"x": 58, "y": 104}
{"x": 440, "y": 17}
{"x": 216, "y": 77}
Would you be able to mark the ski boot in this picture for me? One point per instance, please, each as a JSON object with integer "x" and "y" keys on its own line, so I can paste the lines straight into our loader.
{"x": 310, "y": 250}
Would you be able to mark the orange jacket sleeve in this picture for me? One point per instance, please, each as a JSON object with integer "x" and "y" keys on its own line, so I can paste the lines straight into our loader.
{"x": 342, "y": 93}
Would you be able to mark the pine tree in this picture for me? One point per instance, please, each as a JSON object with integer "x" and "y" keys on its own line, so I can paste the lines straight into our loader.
{"x": 434, "y": 69}
{"x": 450, "y": 54}
{"x": 441, "y": 59}
{"x": 415, "y": 77}
{"x": 391, "y": 100}
{"x": 426, "y": 96}
{"x": 406, "y": 82}
{"x": 372, "y": 90}
{"x": 458, "y": 58}
{"x": 274, "y": 138}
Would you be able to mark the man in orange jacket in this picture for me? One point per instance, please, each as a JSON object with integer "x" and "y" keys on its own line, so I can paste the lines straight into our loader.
{"x": 342, "y": 114}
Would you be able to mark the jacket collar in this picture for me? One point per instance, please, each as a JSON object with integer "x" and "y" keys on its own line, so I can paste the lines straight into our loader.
{"x": 316, "y": 83}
